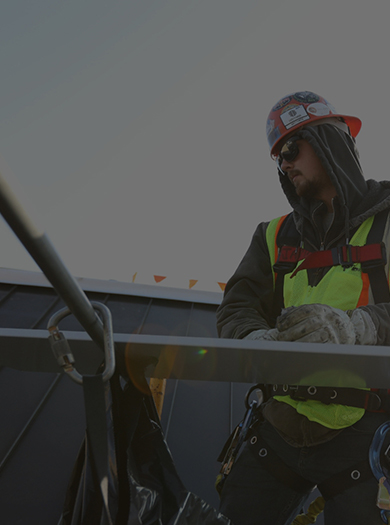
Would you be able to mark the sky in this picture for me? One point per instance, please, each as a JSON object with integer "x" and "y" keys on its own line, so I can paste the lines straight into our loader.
{"x": 133, "y": 132}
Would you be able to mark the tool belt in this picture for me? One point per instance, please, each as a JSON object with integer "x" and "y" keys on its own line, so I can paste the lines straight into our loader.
{"x": 375, "y": 400}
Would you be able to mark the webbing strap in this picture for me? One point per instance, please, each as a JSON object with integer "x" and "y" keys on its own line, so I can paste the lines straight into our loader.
{"x": 95, "y": 411}
{"x": 278, "y": 300}
{"x": 377, "y": 276}
{"x": 343, "y": 255}
{"x": 373, "y": 401}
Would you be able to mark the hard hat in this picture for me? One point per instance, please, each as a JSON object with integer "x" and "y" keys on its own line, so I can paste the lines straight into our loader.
{"x": 301, "y": 109}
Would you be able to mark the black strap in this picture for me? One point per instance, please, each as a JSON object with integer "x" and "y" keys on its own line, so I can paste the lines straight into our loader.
{"x": 373, "y": 401}
{"x": 278, "y": 299}
{"x": 97, "y": 439}
{"x": 287, "y": 235}
{"x": 376, "y": 271}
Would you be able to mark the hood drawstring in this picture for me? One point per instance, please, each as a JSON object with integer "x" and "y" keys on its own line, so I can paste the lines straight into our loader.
{"x": 347, "y": 232}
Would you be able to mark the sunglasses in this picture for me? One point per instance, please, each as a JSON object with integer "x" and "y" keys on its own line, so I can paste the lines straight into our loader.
{"x": 289, "y": 151}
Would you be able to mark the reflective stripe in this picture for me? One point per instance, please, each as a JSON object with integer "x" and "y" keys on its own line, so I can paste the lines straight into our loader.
{"x": 271, "y": 236}
{"x": 364, "y": 295}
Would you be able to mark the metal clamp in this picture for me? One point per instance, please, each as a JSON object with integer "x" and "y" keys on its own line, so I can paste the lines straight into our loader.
{"x": 63, "y": 353}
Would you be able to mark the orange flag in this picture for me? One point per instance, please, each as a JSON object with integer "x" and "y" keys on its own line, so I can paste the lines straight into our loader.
{"x": 134, "y": 276}
{"x": 222, "y": 286}
{"x": 193, "y": 282}
{"x": 158, "y": 278}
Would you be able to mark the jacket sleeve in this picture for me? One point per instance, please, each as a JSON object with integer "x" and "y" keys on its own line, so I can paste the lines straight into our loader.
{"x": 380, "y": 314}
{"x": 248, "y": 297}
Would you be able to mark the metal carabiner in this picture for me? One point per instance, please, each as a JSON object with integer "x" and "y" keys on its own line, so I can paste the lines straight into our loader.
{"x": 259, "y": 394}
{"x": 63, "y": 353}
{"x": 240, "y": 434}
{"x": 381, "y": 474}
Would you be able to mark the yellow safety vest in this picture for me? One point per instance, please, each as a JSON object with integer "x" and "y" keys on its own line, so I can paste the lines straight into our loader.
{"x": 344, "y": 288}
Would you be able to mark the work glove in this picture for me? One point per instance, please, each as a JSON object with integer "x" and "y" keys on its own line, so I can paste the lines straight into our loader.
{"x": 365, "y": 330}
{"x": 320, "y": 323}
{"x": 263, "y": 335}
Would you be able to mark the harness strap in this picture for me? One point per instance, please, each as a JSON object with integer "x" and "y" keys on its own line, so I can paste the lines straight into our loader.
{"x": 377, "y": 276}
{"x": 329, "y": 488}
{"x": 373, "y": 401}
{"x": 373, "y": 254}
{"x": 372, "y": 258}
{"x": 281, "y": 270}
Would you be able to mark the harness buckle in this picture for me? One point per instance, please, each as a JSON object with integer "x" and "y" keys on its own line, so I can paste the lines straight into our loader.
{"x": 293, "y": 391}
{"x": 339, "y": 252}
{"x": 284, "y": 267}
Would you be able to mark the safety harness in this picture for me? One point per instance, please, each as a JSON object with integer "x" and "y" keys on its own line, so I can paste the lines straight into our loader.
{"x": 247, "y": 431}
{"x": 372, "y": 258}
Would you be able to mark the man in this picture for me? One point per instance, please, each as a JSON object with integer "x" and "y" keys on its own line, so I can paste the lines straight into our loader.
{"x": 303, "y": 279}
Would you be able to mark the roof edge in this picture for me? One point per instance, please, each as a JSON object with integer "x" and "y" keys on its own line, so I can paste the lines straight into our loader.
{"x": 29, "y": 278}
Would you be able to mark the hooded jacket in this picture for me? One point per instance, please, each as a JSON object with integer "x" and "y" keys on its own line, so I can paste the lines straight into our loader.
{"x": 249, "y": 293}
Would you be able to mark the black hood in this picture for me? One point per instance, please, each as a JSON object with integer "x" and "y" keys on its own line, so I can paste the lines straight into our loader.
{"x": 357, "y": 198}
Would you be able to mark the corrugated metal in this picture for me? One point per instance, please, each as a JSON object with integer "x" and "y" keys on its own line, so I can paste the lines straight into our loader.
{"x": 43, "y": 415}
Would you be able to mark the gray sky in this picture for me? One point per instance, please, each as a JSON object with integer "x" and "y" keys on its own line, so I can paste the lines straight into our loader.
{"x": 135, "y": 131}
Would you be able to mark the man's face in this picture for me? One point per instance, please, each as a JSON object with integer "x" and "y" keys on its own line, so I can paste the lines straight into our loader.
{"x": 308, "y": 175}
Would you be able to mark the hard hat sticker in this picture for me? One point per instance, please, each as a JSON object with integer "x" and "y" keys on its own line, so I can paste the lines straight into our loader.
{"x": 306, "y": 97}
{"x": 332, "y": 108}
{"x": 294, "y": 115}
{"x": 274, "y": 136}
{"x": 283, "y": 102}
{"x": 318, "y": 109}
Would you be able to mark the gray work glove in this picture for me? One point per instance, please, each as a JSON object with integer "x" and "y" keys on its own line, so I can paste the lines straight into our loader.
{"x": 263, "y": 335}
{"x": 366, "y": 333}
{"x": 320, "y": 323}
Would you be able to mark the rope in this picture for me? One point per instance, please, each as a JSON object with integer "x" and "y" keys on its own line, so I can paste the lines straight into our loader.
{"x": 314, "y": 510}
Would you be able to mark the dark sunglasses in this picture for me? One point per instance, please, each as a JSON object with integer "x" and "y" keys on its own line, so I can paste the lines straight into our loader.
{"x": 289, "y": 150}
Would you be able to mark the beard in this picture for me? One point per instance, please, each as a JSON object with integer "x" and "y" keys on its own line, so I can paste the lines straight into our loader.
{"x": 313, "y": 188}
{"x": 310, "y": 189}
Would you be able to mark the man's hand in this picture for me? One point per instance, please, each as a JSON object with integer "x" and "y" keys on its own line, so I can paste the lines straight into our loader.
{"x": 320, "y": 323}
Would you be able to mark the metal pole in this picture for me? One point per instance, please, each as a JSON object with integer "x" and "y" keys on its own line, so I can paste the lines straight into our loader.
{"x": 45, "y": 255}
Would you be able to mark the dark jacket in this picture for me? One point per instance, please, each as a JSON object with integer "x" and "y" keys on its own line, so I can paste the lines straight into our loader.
{"x": 249, "y": 293}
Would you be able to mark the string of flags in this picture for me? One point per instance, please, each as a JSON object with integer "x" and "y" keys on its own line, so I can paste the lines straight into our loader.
{"x": 191, "y": 282}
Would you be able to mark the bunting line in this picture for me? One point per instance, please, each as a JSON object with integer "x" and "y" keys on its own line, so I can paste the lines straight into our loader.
{"x": 191, "y": 282}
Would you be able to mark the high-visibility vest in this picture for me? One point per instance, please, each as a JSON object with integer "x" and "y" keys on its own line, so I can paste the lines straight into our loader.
{"x": 343, "y": 287}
